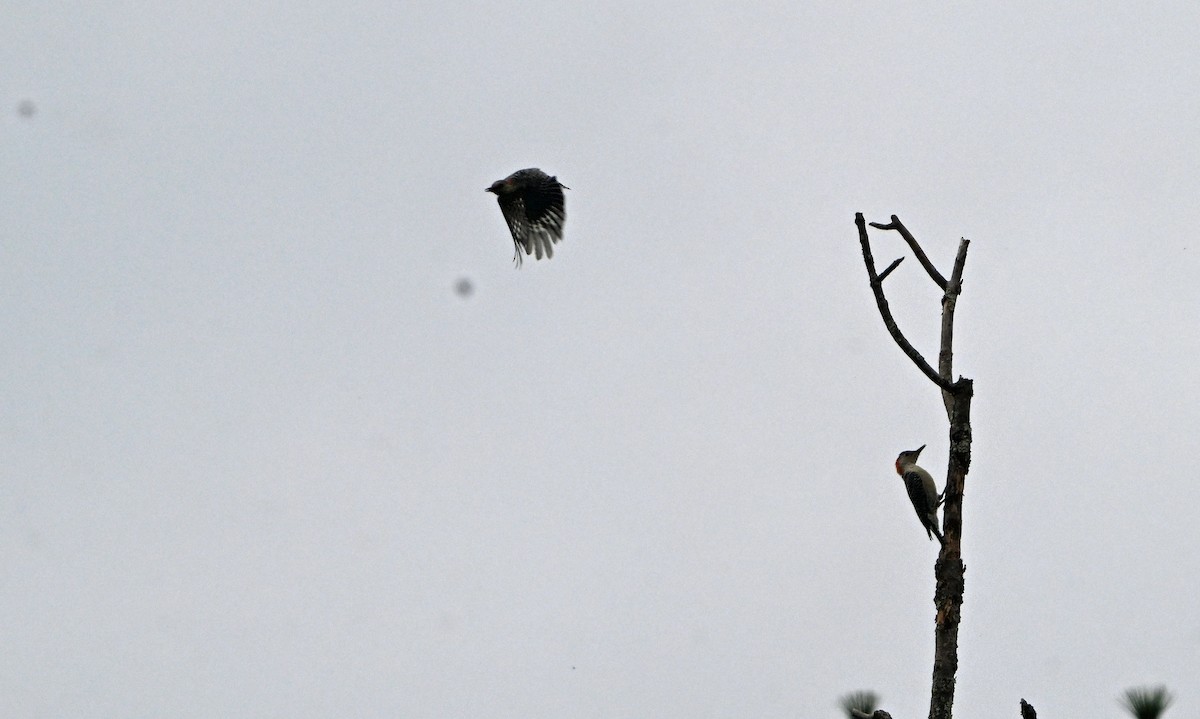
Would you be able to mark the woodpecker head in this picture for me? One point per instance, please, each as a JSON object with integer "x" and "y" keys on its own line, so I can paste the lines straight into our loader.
{"x": 501, "y": 187}
{"x": 907, "y": 458}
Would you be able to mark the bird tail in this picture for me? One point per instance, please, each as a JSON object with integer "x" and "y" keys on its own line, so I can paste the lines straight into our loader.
{"x": 936, "y": 532}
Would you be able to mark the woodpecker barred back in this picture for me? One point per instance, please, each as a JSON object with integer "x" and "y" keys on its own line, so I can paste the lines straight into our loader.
{"x": 922, "y": 492}
{"x": 533, "y": 207}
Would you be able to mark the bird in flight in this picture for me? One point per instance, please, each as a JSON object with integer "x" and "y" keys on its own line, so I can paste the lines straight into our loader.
{"x": 532, "y": 203}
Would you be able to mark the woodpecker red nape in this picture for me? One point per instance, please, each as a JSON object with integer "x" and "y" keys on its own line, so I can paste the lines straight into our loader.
{"x": 908, "y": 457}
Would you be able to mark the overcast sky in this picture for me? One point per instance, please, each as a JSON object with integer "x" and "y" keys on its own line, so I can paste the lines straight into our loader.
{"x": 259, "y": 458}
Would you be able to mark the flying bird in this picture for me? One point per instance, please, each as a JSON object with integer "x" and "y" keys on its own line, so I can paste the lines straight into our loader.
{"x": 532, "y": 203}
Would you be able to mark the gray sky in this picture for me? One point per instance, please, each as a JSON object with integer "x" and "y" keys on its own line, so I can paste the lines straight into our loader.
{"x": 260, "y": 459}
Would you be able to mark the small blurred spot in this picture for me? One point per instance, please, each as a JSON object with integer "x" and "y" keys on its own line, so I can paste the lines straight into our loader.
{"x": 26, "y": 108}
{"x": 464, "y": 287}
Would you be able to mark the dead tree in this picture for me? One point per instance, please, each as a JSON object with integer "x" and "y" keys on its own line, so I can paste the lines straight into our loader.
{"x": 956, "y": 395}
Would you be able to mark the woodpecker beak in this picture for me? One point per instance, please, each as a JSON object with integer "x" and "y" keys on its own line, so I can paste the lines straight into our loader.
{"x": 917, "y": 451}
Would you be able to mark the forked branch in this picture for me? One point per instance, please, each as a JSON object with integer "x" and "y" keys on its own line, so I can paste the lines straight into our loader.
{"x": 886, "y": 313}
{"x": 898, "y": 226}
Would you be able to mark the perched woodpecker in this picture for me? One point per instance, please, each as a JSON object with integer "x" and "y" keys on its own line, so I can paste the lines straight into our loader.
{"x": 922, "y": 492}
{"x": 533, "y": 207}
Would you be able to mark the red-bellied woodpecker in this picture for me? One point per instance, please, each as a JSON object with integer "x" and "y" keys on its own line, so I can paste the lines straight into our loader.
{"x": 922, "y": 492}
{"x": 532, "y": 203}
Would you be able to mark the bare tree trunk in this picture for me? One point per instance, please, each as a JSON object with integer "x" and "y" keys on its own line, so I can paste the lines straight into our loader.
{"x": 956, "y": 395}
{"x": 949, "y": 569}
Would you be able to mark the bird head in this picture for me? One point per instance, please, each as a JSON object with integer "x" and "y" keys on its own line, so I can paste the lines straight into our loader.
{"x": 909, "y": 457}
{"x": 499, "y": 187}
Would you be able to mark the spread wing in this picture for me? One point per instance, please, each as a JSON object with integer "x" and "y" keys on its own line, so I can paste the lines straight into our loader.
{"x": 535, "y": 215}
